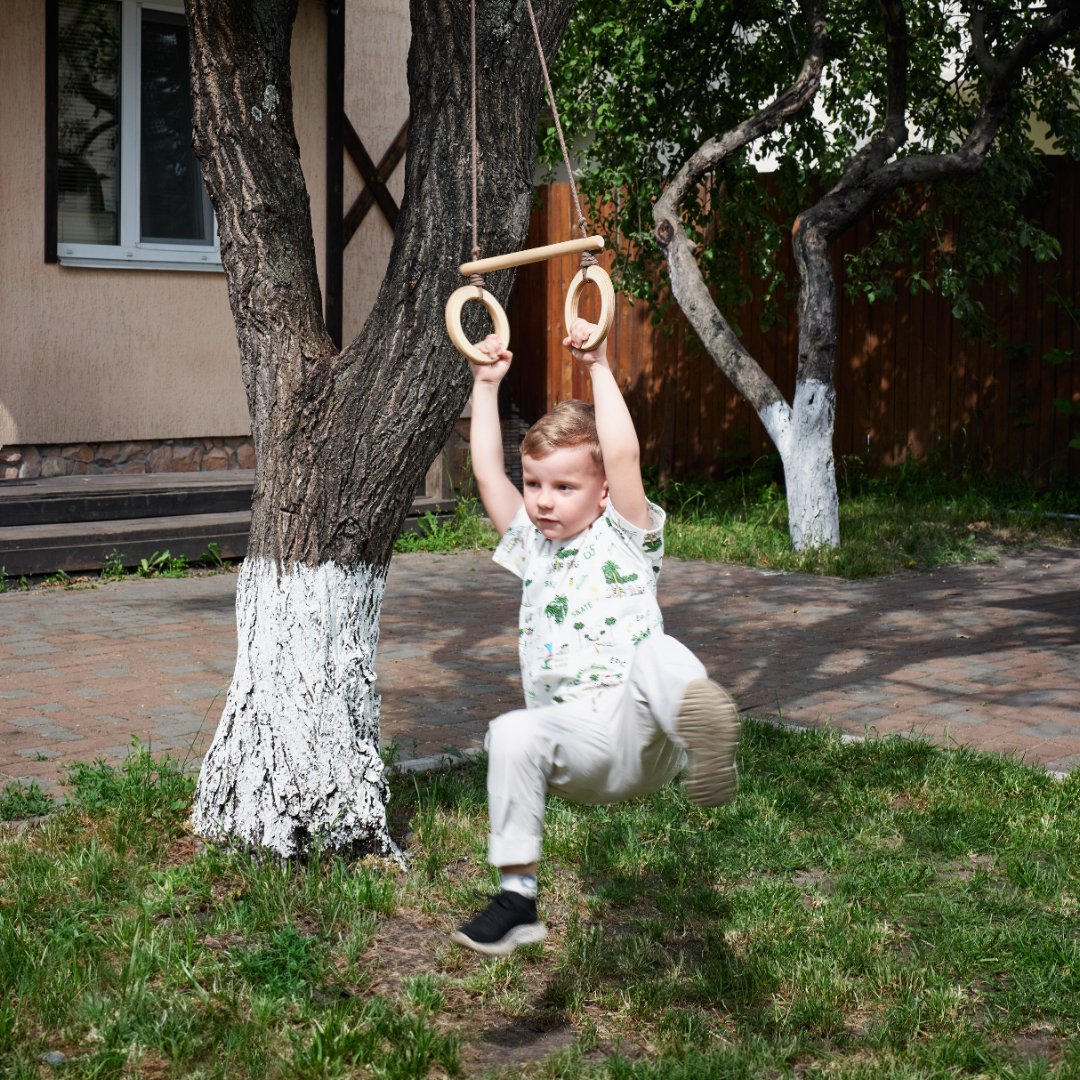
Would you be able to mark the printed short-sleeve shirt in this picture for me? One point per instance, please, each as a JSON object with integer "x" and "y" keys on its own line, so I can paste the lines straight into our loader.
{"x": 586, "y": 602}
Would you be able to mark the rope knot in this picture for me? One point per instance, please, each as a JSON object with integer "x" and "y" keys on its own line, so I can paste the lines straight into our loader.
{"x": 588, "y": 259}
{"x": 477, "y": 280}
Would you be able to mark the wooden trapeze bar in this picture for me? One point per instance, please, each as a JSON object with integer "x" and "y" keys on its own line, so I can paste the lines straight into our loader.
{"x": 531, "y": 255}
{"x": 594, "y": 274}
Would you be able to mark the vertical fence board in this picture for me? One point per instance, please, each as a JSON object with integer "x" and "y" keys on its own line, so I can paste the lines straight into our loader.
{"x": 1067, "y": 383}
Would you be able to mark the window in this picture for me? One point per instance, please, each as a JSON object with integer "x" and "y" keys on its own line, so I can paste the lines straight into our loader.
{"x": 128, "y": 188}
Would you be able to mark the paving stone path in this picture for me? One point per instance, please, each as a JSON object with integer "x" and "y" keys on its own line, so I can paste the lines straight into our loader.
{"x": 987, "y": 656}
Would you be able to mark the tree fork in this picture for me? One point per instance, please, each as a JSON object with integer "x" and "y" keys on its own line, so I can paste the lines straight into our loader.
{"x": 803, "y": 432}
{"x": 342, "y": 439}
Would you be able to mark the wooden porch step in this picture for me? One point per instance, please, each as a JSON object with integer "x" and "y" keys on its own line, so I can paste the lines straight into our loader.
{"x": 89, "y": 545}
{"x": 108, "y": 497}
{"x": 76, "y": 523}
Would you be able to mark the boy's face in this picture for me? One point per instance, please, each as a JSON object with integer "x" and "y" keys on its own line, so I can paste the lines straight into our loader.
{"x": 565, "y": 492}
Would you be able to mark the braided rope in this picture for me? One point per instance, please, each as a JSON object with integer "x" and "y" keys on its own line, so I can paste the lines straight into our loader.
{"x": 475, "y": 279}
{"x": 587, "y": 258}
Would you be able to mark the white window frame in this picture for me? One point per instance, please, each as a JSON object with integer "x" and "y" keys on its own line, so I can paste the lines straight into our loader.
{"x": 131, "y": 252}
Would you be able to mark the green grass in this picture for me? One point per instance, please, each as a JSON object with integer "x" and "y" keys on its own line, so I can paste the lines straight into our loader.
{"x": 117, "y": 568}
{"x": 887, "y": 909}
{"x": 908, "y": 518}
{"x": 466, "y": 530}
{"x": 19, "y": 800}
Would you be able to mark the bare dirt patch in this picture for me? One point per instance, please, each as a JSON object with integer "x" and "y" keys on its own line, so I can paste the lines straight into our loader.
{"x": 493, "y": 1038}
{"x": 1036, "y": 1043}
{"x": 814, "y": 884}
{"x": 965, "y": 869}
{"x": 404, "y": 946}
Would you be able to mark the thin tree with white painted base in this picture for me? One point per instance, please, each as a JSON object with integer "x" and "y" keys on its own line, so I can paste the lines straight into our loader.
{"x": 676, "y": 102}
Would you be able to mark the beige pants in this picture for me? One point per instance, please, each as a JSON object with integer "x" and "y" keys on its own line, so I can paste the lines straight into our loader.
{"x": 608, "y": 746}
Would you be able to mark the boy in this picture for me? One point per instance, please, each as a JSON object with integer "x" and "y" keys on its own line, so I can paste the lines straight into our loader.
{"x": 615, "y": 708}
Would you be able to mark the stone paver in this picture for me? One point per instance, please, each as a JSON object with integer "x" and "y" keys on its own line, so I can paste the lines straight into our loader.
{"x": 987, "y": 657}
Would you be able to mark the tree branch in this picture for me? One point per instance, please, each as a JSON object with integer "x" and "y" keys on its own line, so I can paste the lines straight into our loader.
{"x": 728, "y": 353}
{"x": 1004, "y": 73}
{"x": 689, "y": 287}
{"x": 861, "y": 189}
{"x": 979, "y": 50}
{"x": 711, "y": 153}
{"x": 893, "y": 132}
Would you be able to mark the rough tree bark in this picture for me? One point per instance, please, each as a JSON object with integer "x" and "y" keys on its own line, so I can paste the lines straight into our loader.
{"x": 802, "y": 431}
{"x": 341, "y": 439}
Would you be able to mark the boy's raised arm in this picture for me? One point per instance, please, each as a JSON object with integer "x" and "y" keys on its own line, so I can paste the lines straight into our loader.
{"x": 615, "y": 428}
{"x": 500, "y": 498}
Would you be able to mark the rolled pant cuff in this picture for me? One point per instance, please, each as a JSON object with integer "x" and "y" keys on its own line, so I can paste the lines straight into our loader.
{"x": 513, "y": 850}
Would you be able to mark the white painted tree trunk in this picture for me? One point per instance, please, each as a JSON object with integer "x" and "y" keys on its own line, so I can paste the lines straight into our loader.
{"x": 296, "y": 756}
{"x": 803, "y": 433}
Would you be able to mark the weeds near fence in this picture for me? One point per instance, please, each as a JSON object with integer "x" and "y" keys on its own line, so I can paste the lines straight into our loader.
{"x": 910, "y": 518}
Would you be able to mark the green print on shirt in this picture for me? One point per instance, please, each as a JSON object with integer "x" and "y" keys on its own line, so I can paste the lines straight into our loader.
{"x": 566, "y": 553}
{"x": 558, "y": 608}
{"x": 613, "y": 577}
{"x": 652, "y": 544}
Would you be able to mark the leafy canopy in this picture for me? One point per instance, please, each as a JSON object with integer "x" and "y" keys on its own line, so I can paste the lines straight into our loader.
{"x": 641, "y": 84}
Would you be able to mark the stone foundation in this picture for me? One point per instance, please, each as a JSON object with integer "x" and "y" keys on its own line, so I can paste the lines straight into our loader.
{"x": 152, "y": 456}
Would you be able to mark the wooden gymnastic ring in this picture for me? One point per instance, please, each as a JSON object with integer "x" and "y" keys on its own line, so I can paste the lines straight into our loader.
{"x": 599, "y": 277}
{"x": 458, "y": 299}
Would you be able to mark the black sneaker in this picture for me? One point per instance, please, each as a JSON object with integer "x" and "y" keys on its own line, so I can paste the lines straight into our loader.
{"x": 709, "y": 723}
{"x": 507, "y": 922}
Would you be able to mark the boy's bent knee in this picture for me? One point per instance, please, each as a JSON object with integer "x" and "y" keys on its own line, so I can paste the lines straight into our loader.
{"x": 514, "y": 736}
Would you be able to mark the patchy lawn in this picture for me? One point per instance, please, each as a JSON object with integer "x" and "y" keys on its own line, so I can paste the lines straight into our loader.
{"x": 886, "y": 909}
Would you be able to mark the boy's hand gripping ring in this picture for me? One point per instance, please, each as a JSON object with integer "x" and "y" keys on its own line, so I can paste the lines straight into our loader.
{"x": 458, "y": 299}
{"x": 599, "y": 277}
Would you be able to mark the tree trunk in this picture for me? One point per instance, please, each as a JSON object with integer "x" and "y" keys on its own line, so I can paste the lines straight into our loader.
{"x": 803, "y": 431}
{"x": 804, "y": 435}
{"x": 809, "y": 467}
{"x": 342, "y": 440}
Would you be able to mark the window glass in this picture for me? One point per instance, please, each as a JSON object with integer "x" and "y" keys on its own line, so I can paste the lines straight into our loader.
{"x": 88, "y": 128}
{"x": 173, "y": 204}
{"x": 129, "y": 190}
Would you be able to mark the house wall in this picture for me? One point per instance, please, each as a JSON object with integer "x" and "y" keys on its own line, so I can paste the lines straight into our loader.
{"x": 377, "y": 35}
{"x": 127, "y": 363}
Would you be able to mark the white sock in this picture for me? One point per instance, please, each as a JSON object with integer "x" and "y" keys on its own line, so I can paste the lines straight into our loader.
{"x": 524, "y": 884}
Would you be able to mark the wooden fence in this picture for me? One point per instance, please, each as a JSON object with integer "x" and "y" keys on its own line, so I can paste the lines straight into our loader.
{"x": 908, "y": 382}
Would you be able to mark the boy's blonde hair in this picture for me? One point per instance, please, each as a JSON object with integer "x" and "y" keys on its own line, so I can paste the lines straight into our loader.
{"x": 570, "y": 423}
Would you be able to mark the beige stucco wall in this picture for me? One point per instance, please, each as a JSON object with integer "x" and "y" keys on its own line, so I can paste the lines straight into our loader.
{"x": 377, "y": 104}
{"x": 91, "y": 355}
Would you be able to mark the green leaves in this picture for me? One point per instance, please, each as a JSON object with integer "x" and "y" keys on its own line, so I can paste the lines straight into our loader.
{"x": 641, "y": 88}
{"x": 1057, "y": 357}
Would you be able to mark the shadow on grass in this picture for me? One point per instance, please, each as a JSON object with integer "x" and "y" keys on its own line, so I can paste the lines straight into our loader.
{"x": 810, "y": 912}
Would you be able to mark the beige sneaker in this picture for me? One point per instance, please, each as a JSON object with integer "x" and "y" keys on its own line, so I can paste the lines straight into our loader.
{"x": 708, "y": 721}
